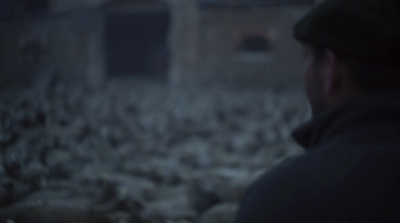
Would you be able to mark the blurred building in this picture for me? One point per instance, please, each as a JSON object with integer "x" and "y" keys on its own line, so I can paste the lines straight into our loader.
{"x": 250, "y": 41}
{"x": 39, "y": 41}
{"x": 181, "y": 41}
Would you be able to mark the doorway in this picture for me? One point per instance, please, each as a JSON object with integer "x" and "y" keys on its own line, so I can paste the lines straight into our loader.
{"x": 136, "y": 41}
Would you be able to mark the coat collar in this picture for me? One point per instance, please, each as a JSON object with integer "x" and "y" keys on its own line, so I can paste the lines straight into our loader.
{"x": 359, "y": 111}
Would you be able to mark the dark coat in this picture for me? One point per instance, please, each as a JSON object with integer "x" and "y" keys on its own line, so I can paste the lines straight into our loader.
{"x": 350, "y": 173}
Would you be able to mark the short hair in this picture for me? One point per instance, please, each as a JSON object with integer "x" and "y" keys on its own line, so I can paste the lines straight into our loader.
{"x": 365, "y": 75}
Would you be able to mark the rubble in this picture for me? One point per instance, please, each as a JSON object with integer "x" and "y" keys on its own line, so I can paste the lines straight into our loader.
{"x": 136, "y": 151}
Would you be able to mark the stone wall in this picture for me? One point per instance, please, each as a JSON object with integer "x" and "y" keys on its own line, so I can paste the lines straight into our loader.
{"x": 221, "y": 56}
{"x": 58, "y": 6}
{"x": 184, "y": 41}
{"x": 67, "y": 47}
{"x": 204, "y": 44}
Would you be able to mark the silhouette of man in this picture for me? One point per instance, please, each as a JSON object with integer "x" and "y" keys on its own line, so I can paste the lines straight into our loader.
{"x": 351, "y": 170}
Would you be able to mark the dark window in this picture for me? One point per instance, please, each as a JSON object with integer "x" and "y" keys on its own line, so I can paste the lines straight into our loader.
{"x": 211, "y": 1}
{"x": 36, "y": 6}
{"x": 245, "y": 3}
{"x": 6, "y": 8}
{"x": 255, "y": 44}
{"x": 136, "y": 43}
{"x": 273, "y": 2}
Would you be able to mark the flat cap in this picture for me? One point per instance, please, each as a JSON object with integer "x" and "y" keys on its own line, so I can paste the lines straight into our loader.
{"x": 368, "y": 29}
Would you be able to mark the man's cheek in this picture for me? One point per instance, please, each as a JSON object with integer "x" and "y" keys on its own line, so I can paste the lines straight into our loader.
{"x": 307, "y": 77}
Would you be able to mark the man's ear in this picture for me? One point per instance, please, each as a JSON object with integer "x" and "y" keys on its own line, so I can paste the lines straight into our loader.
{"x": 330, "y": 72}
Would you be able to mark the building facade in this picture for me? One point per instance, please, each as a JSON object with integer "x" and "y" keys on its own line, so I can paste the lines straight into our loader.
{"x": 180, "y": 41}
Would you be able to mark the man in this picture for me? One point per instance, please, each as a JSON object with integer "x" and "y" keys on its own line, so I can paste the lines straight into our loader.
{"x": 351, "y": 171}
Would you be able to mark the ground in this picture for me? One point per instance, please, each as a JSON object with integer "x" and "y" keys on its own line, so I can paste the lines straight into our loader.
{"x": 137, "y": 151}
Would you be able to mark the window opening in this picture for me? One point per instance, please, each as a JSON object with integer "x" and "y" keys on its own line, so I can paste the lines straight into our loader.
{"x": 255, "y": 44}
{"x": 36, "y": 6}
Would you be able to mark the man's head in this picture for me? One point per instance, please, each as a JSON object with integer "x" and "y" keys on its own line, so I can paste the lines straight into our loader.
{"x": 352, "y": 47}
{"x": 327, "y": 79}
